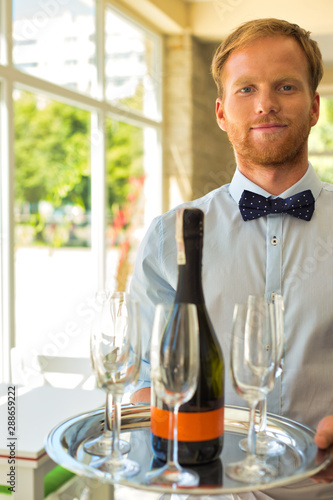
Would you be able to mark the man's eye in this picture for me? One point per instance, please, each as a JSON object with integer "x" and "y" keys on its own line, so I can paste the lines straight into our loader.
{"x": 286, "y": 87}
{"x": 246, "y": 90}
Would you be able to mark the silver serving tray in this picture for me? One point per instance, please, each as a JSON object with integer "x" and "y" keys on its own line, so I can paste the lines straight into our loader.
{"x": 301, "y": 460}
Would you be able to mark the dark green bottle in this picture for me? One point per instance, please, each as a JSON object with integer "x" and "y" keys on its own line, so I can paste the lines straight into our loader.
{"x": 200, "y": 420}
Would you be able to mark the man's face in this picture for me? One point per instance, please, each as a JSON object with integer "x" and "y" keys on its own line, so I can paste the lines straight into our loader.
{"x": 267, "y": 108}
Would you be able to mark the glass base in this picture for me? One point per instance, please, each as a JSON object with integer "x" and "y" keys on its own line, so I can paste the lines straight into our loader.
{"x": 169, "y": 476}
{"x": 117, "y": 468}
{"x": 265, "y": 445}
{"x": 101, "y": 446}
{"x": 251, "y": 470}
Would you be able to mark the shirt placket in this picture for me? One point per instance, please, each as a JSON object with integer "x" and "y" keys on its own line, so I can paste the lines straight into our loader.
{"x": 273, "y": 256}
{"x": 273, "y": 286}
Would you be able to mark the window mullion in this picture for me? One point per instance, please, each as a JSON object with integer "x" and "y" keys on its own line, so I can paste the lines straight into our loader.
{"x": 100, "y": 51}
{"x": 7, "y": 285}
{"x": 98, "y": 160}
{"x": 98, "y": 198}
{"x": 7, "y": 290}
{"x": 7, "y": 229}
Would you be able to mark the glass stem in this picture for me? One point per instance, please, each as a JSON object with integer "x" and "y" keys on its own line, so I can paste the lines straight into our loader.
{"x": 108, "y": 414}
{"x": 263, "y": 415}
{"x": 173, "y": 438}
{"x": 251, "y": 437}
{"x": 116, "y": 421}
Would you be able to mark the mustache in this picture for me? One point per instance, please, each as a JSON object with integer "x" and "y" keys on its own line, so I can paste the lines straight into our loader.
{"x": 266, "y": 121}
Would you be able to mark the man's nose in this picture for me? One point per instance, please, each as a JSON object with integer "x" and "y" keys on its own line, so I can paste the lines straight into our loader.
{"x": 267, "y": 102}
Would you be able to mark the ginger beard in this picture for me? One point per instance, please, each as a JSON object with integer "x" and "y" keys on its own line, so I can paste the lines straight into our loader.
{"x": 271, "y": 150}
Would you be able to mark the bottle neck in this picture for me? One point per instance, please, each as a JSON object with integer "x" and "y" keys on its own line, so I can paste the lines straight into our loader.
{"x": 189, "y": 286}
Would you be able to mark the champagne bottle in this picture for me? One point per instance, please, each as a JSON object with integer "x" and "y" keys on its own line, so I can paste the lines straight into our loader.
{"x": 201, "y": 419}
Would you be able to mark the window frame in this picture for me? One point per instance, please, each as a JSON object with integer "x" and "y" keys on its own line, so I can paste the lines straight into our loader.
{"x": 99, "y": 108}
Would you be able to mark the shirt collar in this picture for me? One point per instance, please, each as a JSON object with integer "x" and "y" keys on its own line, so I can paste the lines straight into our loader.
{"x": 310, "y": 180}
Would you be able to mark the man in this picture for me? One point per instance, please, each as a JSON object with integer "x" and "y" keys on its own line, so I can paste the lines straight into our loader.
{"x": 267, "y": 72}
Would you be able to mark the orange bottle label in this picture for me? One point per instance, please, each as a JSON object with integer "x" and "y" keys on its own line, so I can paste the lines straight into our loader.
{"x": 201, "y": 426}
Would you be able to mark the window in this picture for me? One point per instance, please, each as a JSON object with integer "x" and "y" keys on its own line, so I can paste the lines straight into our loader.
{"x": 52, "y": 33}
{"x": 83, "y": 152}
{"x": 132, "y": 53}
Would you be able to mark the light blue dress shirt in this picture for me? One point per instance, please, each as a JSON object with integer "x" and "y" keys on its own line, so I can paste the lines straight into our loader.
{"x": 273, "y": 254}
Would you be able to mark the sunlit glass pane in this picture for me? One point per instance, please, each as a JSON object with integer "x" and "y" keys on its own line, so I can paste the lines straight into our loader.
{"x": 323, "y": 166}
{"x": 131, "y": 65}
{"x": 55, "y": 41}
{"x": 125, "y": 198}
{"x": 53, "y": 259}
{"x": 321, "y": 142}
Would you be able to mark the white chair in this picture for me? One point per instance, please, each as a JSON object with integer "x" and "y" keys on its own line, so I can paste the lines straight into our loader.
{"x": 63, "y": 371}
{"x": 58, "y": 371}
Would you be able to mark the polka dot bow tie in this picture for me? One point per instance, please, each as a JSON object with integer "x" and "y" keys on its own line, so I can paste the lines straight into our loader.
{"x": 252, "y": 205}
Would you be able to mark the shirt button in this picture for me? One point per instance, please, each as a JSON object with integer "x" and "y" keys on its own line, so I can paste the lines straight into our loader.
{"x": 274, "y": 241}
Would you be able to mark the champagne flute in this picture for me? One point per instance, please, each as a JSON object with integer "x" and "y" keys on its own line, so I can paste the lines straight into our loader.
{"x": 266, "y": 444}
{"x": 116, "y": 353}
{"x": 252, "y": 361}
{"x": 174, "y": 371}
{"x": 101, "y": 445}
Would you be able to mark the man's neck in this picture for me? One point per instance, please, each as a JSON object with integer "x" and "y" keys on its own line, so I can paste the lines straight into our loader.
{"x": 274, "y": 179}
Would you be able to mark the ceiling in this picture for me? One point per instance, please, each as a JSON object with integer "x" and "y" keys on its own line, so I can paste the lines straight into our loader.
{"x": 212, "y": 20}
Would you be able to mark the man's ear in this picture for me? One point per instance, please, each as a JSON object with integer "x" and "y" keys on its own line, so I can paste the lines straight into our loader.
{"x": 220, "y": 117}
{"x": 315, "y": 109}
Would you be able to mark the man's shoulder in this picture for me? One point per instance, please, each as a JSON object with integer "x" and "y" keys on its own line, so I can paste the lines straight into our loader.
{"x": 213, "y": 205}
{"x": 205, "y": 203}
{"x": 327, "y": 186}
